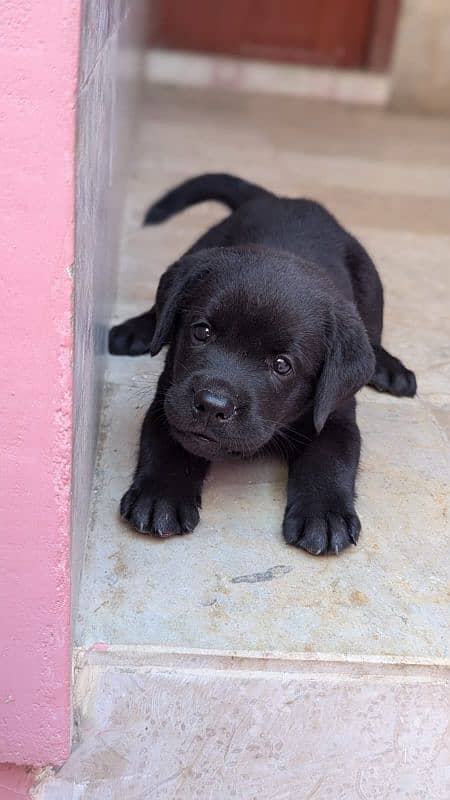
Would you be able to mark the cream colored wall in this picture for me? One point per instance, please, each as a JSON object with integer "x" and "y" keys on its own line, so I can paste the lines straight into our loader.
{"x": 421, "y": 62}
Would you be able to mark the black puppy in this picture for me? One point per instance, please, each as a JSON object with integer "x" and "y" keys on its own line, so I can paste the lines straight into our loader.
{"x": 273, "y": 321}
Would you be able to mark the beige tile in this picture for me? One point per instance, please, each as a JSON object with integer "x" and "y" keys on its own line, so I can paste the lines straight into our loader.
{"x": 402, "y": 574}
{"x": 173, "y": 727}
{"x": 328, "y": 680}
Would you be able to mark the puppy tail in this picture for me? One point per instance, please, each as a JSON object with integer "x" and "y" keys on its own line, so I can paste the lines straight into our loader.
{"x": 226, "y": 189}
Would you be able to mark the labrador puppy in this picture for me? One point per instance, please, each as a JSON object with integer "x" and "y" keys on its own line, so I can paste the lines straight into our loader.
{"x": 273, "y": 321}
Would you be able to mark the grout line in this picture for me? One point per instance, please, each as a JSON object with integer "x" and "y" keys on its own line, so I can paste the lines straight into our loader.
{"x": 149, "y": 650}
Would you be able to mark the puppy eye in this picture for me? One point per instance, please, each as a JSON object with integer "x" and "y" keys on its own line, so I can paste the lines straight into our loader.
{"x": 281, "y": 365}
{"x": 201, "y": 331}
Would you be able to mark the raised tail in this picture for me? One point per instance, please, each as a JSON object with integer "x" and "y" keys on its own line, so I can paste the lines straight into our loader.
{"x": 226, "y": 189}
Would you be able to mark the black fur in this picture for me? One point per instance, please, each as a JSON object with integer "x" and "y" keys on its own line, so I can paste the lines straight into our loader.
{"x": 277, "y": 285}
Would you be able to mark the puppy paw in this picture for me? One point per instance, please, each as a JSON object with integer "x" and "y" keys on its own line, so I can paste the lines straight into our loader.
{"x": 319, "y": 533}
{"x": 392, "y": 377}
{"x": 158, "y": 511}
{"x": 133, "y": 337}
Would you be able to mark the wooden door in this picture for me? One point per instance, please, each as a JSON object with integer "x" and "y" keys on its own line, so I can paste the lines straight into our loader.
{"x": 341, "y": 33}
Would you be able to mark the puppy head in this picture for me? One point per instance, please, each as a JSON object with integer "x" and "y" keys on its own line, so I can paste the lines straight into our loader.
{"x": 257, "y": 339}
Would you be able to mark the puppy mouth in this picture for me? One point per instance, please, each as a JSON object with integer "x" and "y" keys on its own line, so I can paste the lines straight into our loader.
{"x": 201, "y": 443}
{"x": 201, "y": 437}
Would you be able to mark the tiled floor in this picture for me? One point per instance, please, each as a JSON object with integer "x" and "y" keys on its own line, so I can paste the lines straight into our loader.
{"x": 323, "y": 697}
{"x": 387, "y": 177}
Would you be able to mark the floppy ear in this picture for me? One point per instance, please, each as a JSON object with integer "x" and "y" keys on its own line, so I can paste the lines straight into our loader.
{"x": 348, "y": 365}
{"x": 171, "y": 290}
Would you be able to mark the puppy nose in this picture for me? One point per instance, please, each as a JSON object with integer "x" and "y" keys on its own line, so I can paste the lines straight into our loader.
{"x": 208, "y": 404}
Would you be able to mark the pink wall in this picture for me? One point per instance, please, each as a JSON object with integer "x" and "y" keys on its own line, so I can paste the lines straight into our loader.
{"x": 15, "y": 782}
{"x": 38, "y": 78}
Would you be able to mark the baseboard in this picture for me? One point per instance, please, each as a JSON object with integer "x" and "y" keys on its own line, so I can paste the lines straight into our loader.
{"x": 246, "y": 75}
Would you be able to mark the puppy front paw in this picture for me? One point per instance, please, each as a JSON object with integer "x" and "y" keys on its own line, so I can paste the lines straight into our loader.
{"x": 320, "y": 532}
{"x": 158, "y": 510}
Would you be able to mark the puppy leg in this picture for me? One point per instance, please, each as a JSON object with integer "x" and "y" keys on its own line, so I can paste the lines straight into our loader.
{"x": 133, "y": 337}
{"x": 391, "y": 375}
{"x": 165, "y": 495}
{"x": 320, "y": 516}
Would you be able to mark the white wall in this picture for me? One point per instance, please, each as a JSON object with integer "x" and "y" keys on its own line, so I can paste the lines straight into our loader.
{"x": 112, "y": 38}
{"x": 421, "y": 62}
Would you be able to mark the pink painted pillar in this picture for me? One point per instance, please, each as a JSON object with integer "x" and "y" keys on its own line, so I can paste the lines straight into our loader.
{"x": 38, "y": 79}
{"x": 15, "y": 782}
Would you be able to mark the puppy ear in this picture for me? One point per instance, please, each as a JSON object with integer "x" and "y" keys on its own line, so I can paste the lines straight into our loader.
{"x": 171, "y": 290}
{"x": 349, "y": 364}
